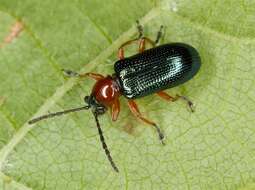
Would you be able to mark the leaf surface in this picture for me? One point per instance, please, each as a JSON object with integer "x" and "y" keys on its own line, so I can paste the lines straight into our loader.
{"x": 212, "y": 148}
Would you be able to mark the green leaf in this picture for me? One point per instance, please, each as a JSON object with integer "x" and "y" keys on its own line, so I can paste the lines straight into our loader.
{"x": 212, "y": 148}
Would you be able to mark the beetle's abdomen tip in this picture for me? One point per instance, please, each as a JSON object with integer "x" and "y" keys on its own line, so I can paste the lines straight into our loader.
{"x": 196, "y": 61}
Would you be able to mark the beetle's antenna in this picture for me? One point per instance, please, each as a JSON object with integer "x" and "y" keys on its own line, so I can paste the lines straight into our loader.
{"x": 47, "y": 116}
{"x": 107, "y": 152}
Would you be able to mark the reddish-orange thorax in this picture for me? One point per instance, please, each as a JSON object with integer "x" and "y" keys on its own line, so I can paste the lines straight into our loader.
{"x": 106, "y": 91}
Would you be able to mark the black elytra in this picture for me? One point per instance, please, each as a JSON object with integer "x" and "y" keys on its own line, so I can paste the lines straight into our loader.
{"x": 157, "y": 69}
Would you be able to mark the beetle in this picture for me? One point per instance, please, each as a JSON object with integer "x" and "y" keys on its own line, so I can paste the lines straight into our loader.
{"x": 150, "y": 71}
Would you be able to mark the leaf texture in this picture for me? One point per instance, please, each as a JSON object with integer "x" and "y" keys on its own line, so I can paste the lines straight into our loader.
{"x": 212, "y": 148}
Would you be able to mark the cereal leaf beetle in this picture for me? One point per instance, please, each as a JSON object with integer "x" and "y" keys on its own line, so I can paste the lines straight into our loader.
{"x": 150, "y": 71}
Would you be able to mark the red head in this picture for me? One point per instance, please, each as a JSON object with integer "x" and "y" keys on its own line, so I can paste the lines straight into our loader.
{"x": 106, "y": 91}
{"x": 105, "y": 94}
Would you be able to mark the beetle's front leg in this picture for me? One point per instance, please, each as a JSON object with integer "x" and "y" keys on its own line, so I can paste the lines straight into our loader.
{"x": 115, "y": 109}
{"x": 94, "y": 76}
{"x": 134, "y": 109}
{"x": 167, "y": 97}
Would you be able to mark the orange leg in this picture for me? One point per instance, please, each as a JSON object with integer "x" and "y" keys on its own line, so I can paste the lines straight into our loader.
{"x": 121, "y": 48}
{"x": 142, "y": 43}
{"x": 115, "y": 109}
{"x": 134, "y": 109}
{"x": 142, "y": 40}
{"x": 139, "y": 39}
{"x": 94, "y": 76}
{"x": 142, "y": 46}
{"x": 167, "y": 97}
{"x": 148, "y": 40}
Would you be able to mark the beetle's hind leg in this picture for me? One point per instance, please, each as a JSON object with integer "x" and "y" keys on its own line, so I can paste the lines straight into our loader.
{"x": 134, "y": 109}
{"x": 167, "y": 97}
